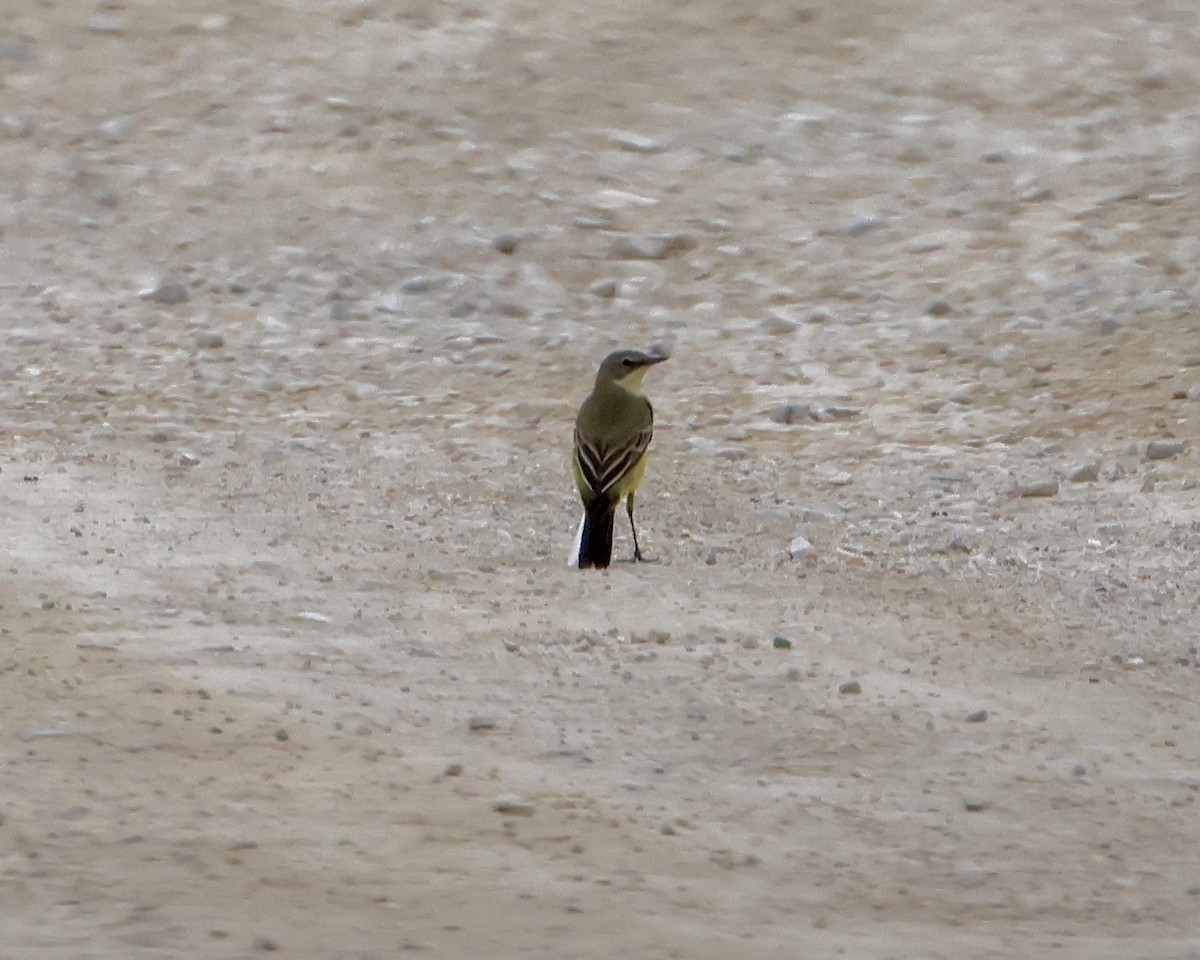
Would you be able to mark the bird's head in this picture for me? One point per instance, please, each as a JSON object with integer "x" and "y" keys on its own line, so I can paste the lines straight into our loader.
{"x": 627, "y": 368}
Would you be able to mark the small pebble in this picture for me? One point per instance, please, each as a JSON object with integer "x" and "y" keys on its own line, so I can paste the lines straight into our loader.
{"x": 801, "y": 549}
{"x": 169, "y": 293}
{"x": 850, "y": 688}
{"x": 743, "y": 154}
{"x": 1155, "y": 78}
{"x": 453, "y": 770}
{"x": 835, "y": 413}
{"x": 633, "y": 142}
{"x": 1037, "y": 195}
{"x": 116, "y": 129}
{"x": 481, "y": 723}
{"x": 281, "y": 735}
{"x": 777, "y": 325}
{"x": 790, "y": 413}
{"x": 1039, "y": 488}
{"x": 357, "y": 12}
{"x": 15, "y": 126}
{"x": 606, "y": 289}
{"x": 659, "y": 247}
{"x": 209, "y": 340}
{"x": 1084, "y": 472}
{"x": 709, "y": 447}
{"x": 1001, "y": 355}
{"x": 507, "y": 242}
{"x": 265, "y": 943}
{"x": 1164, "y": 449}
{"x": 938, "y": 240}
{"x": 106, "y": 23}
{"x": 979, "y": 716}
{"x": 974, "y": 806}
{"x": 342, "y": 310}
{"x": 513, "y": 804}
{"x": 15, "y": 51}
{"x": 865, "y": 225}
{"x": 781, "y": 643}
{"x": 417, "y": 284}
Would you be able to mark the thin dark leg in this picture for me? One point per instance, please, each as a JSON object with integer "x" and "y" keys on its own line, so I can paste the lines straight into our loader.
{"x": 637, "y": 551}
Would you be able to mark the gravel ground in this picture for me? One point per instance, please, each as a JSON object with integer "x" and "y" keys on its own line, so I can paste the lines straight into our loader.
{"x": 299, "y": 300}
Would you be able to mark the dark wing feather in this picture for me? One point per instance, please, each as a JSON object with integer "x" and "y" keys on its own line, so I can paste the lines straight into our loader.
{"x": 602, "y": 465}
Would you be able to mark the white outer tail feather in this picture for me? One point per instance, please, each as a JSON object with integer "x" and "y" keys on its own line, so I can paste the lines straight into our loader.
{"x": 574, "y": 558}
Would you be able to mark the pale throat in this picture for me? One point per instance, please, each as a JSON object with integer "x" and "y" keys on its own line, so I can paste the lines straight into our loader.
{"x": 632, "y": 381}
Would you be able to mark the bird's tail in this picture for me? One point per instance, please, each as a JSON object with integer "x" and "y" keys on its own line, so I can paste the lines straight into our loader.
{"x": 594, "y": 538}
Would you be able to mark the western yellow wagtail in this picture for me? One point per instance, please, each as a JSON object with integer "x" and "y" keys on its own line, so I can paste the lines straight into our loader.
{"x": 612, "y": 432}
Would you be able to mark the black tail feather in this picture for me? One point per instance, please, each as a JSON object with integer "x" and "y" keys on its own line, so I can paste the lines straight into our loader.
{"x": 595, "y": 548}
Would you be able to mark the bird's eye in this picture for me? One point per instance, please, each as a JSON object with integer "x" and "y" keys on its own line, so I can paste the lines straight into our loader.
{"x": 627, "y": 362}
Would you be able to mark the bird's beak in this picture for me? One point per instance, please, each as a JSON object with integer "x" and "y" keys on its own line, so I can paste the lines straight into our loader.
{"x": 656, "y": 357}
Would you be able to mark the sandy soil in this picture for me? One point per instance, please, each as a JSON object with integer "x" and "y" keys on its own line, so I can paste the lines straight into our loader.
{"x": 299, "y": 300}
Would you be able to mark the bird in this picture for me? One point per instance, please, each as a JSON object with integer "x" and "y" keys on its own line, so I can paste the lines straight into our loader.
{"x": 612, "y": 434}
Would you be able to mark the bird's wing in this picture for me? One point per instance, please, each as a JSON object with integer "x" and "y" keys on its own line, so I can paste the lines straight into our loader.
{"x": 601, "y": 465}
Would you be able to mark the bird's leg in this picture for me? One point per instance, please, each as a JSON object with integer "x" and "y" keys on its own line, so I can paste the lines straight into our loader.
{"x": 637, "y": 551}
